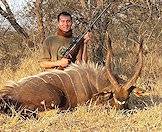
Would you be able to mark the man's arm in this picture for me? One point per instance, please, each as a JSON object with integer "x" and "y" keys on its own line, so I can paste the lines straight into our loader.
{"x": 51, "y": 64}
{"x": 82, "y": 54}
{"x": 87, "y": 39}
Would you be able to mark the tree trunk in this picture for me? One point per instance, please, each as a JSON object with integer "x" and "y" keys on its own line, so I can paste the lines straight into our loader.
{"x": 38, "y": 11}
{"x": 10, "y": 17}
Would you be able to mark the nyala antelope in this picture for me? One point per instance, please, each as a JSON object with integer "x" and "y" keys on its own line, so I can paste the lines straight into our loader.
{"x": 66, "y": 88}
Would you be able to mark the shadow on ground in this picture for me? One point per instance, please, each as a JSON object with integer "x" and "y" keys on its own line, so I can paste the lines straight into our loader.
{"x": 144, "y": 101}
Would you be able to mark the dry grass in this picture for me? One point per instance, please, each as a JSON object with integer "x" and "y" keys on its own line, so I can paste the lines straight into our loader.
{"x": 145, "y": 113}
{"x": 29, "y": 66}
{"x": 94, "y": 118}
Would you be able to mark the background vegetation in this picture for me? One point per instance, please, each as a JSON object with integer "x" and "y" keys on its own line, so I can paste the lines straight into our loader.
{"x": 125, "y": 21}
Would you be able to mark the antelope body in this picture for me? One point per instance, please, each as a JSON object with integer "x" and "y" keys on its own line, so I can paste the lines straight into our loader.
{"x": 66, "y": 88}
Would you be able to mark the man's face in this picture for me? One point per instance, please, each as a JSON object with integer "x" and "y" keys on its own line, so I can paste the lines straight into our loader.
{"x": 65, "y": 23}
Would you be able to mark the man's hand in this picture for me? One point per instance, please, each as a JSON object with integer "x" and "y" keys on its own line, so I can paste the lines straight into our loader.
{"x": 64, "y": 62}
{"x": 87, "y": 37}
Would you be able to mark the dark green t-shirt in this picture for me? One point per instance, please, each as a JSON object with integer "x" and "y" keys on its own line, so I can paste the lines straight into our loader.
{"x": 54, "y": 48}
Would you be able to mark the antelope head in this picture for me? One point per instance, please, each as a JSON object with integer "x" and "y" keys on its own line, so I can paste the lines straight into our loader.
{"x": 121, "y": 92}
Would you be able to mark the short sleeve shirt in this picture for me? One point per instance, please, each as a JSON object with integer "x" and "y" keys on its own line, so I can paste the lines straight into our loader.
{"x": 54, "y": 47}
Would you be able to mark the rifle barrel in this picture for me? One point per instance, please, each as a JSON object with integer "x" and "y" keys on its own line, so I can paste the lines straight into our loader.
{"x": 92, "y": 24}
{"x": 72, "y": 47}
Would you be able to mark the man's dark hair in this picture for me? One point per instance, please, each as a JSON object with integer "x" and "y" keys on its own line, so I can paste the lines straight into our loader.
{"x": 63, "y": 14}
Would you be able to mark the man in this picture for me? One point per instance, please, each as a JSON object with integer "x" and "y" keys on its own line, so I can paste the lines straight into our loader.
{"x": 54, "y": 46}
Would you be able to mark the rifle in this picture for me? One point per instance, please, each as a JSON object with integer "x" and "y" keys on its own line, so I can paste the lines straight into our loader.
{"x": 76, "y": 43}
